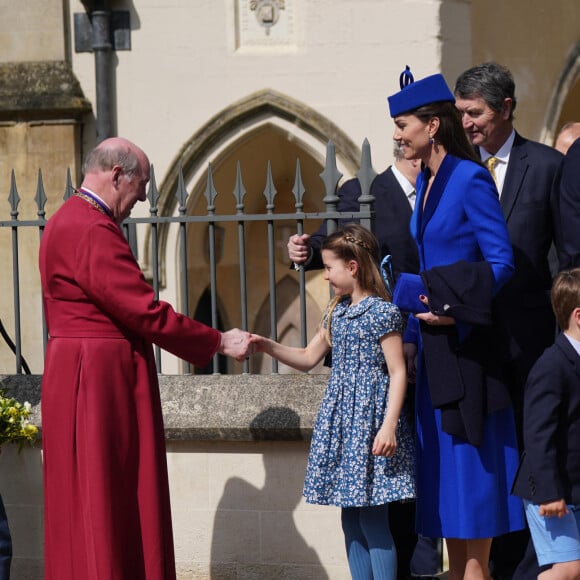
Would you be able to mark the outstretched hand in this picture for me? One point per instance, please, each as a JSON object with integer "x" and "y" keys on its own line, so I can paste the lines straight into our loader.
{"x": 235, "y": 343}
{"x": 258, "y": 343}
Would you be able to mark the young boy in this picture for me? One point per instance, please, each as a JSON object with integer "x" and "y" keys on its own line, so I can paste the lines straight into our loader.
{"x": 548, "y": 478}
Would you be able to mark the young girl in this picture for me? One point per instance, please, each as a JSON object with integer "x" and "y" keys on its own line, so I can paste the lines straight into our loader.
{"x": 361, "y": 456}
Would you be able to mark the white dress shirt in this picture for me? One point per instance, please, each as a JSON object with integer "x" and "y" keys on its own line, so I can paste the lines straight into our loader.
{"x": 503, "y": 157}
{"x": 406, "y": 186}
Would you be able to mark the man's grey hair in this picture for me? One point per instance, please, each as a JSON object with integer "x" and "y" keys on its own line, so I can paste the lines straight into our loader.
{"x": 104, "y": 158}
{"x": 397, "y": 151}
{"x": 490, "y": 81}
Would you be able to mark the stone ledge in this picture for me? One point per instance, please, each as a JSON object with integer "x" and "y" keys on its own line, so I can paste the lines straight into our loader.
{"x": 40, "y": 91}
{"x": 219, "y": 407}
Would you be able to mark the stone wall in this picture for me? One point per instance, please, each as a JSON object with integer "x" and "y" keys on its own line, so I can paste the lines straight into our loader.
{"x": 237, "y": 447}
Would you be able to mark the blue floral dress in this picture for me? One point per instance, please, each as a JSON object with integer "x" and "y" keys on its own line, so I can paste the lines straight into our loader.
{"x": 342, "y": 470}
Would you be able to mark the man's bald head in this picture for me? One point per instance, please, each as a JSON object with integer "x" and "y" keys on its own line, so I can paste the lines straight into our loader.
{"x": 116, "y": 151}
{"x": 566, "y": 136}
{"x": 118, "y": 171}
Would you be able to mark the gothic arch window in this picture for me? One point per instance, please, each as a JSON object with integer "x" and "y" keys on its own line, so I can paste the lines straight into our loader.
{"x": 229, "y": 127}
{"x": 264, "y": 127}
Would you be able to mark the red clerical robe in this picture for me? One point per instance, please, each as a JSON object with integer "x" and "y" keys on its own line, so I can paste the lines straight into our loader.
{"x": 106, "y": 493}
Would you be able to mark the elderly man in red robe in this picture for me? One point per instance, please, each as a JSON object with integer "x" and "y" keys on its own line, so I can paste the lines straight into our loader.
{"x": 106, "y": 493}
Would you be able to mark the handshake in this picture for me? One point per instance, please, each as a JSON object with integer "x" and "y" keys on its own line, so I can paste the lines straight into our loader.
{"x": 240, "y": 344}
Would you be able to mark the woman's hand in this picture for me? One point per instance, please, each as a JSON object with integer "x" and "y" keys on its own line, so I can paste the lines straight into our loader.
{"x": 433, "y": 319}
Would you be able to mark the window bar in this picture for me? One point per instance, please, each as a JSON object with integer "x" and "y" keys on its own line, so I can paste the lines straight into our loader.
{"x": 270, "y": 194}
{"x": 40, "y": 199}
{"x": 14, "y": 200}
{"x": 366, "y": 176}
{"x": 210, "y": 195}
{"x": 239, "y": 194}
{"x": 298, "y": 191}
{"x": 153, "y": 197}
{"x": 69, "y": 188}
{"x": 181, "y": 195}
{"x": 330, "y": 177}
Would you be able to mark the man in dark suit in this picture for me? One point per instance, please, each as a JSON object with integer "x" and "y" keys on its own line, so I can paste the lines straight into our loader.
{"x": 524, "y": 172}
{"x": 568, "y": 208}
{"x": 394, "y": 192}
{"x": 549, "y": 474}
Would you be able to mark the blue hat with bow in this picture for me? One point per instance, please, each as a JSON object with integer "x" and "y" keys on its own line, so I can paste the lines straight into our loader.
{"x": 431, "y": 89}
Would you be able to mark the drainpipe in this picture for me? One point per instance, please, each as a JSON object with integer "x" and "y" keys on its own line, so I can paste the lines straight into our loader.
{"x": 103, "y": 49}
{"x": 101, "y": 31}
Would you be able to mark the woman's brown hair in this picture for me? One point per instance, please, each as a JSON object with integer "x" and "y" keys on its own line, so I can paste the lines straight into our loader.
{"x": 450, "y": 134}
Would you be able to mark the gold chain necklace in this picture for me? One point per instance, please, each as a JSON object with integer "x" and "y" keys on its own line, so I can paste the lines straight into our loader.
{"x": 90, "y": 200}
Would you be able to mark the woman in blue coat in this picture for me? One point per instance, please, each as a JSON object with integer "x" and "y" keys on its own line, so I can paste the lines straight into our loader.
{"x": 464, "y": 474}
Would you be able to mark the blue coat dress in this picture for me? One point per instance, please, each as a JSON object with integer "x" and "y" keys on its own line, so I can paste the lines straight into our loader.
{"x": 463, "y": 491}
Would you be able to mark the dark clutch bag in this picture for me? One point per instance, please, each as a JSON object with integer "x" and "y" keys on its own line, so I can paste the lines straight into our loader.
{"x": 406, "y": 294}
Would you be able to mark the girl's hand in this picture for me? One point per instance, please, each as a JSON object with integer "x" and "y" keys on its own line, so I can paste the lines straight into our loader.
{"x": 555, "y": 508}
{"x": 385, "y": 442}
{"x": 258, "y": 343}
{"x": 433, "y": 319}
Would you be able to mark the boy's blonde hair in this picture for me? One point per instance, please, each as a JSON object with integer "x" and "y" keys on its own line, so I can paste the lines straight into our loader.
{"x": 565, "y": 296}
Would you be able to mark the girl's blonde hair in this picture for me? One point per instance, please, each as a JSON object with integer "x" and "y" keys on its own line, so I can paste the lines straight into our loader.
{"x": 354, "y": 242}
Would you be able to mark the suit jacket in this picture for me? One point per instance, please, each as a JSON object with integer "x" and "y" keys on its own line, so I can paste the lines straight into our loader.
{"x": 524, "y": 303}
{"x": 568, "y": 209}
{"x": 550, "y": 465}
{"x": 393, "y": 214}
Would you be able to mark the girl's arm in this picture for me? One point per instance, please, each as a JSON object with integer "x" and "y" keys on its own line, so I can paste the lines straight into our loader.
{"x": 385, "y": 442}
{"x": 302, "y": 359}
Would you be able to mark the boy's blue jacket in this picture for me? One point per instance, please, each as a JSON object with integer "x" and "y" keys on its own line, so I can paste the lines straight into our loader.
{"x": 550, "y": 465}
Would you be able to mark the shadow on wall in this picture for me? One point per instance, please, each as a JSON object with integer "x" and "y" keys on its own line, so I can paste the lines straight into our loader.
{"x": 21, "y": 489}
{"x": 254, "y": 531}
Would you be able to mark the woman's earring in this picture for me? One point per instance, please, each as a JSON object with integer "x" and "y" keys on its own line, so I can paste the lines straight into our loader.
{"x": 431, "y": 140}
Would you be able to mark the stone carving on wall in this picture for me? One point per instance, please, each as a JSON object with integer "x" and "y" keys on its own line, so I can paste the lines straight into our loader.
{"x": 267, "y": 12}
{"x": 265, "y": 23}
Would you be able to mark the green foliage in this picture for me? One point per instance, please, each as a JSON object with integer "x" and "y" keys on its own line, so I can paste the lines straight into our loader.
{"x": 14, "y": 424}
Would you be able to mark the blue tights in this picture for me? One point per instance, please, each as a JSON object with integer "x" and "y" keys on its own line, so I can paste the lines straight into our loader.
{"x": 369, "y": 543}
